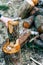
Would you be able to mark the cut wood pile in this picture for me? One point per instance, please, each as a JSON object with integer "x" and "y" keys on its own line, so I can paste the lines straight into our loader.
{"x": 21, "y": 32}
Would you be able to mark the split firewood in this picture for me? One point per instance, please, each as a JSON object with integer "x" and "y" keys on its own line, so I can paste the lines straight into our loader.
{"x": 11, "y": 24}
{"x": 10, "y": 28}
{"x": 6, "y": 19}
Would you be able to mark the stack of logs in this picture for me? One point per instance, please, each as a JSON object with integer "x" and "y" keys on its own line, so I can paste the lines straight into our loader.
{"x": 29, "y": 9}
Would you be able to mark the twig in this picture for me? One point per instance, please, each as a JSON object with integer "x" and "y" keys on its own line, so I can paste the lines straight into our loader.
{"x": 34, "y": 38}
{"x": 35, "y": 61}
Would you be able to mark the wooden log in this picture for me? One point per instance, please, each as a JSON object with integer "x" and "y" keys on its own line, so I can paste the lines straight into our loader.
{"x": 34, "y": 11}
{"x": 11, "y": 24}
{"x": 39, "y": 23}
{"x": 25, "y": 8}
{"x": 24, "y": 38}
{"x": 38, "y": 42}
{"x": 28, "y": 22}
{"x": 13, "y": 30}
{"x": 14, "y": 48}
{"x": 35, "y": 1}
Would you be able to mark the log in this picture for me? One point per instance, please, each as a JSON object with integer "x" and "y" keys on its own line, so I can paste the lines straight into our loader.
{"x": 28, "y": 22}
{"x": 24, "y": 38}
{"x": 11, "y": 25}
{"x": 35, "y": 2}
{"x": 13, "y": 30}
{"x": 39, "y": 23}
{"x": 14, "y": 48}
{"x": 25, "y": 8}
{"x": 38, "y": 42}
